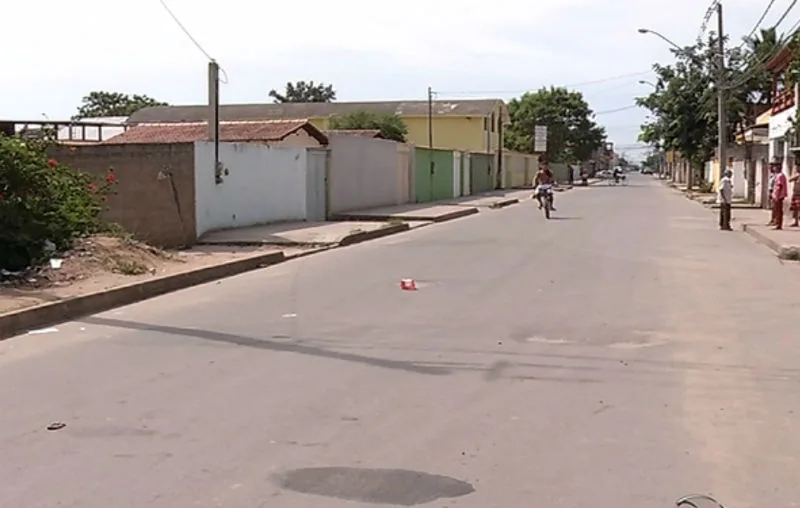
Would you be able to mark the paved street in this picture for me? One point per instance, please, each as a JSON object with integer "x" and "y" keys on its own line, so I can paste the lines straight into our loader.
{"x": 624, "y": 354}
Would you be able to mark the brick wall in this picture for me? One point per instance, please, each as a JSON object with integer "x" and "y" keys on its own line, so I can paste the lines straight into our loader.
{"x": 156, "y": 195}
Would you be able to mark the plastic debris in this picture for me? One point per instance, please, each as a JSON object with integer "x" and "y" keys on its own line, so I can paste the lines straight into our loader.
{"x": 408, "y": 285}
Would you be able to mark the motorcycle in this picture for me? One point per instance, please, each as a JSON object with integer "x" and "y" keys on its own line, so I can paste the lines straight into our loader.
{"x": 545, "y": 196}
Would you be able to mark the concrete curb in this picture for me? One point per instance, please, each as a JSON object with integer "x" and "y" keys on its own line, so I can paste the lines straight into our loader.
{"x": 784, "y": 252}
{"x": 349, "y": 239}
{"x": 455, "y": 214}
{"x": 363, "y": 236}
{"x": 734, "y": 206}
{"x": 504, "y": 203}
{"x": 16, "y": 322}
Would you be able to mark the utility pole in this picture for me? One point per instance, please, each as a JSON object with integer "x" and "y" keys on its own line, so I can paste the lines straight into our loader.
{"x": 430, "y": 139}
{"x": 722, "y": 129}
{"x": 213, "y": 116}
{"x": 430, "y": 117}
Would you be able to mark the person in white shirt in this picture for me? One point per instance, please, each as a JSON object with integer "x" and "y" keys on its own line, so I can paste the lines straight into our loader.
{"x": 725, "y": 198}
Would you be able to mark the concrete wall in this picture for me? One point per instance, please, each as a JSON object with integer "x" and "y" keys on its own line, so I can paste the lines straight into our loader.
{"x": 366, "y": 173}
{"x": 155, "y": 195}
{"x": 519, "y": 169}
{"x": 738, "y": 153}
{"x": 264, "y": 185}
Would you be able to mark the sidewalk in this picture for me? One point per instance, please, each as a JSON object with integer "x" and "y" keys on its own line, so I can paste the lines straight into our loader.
{"x": 310, "y": 234}
{"x": 785, "y": 242}
{"x": 425, "y": 212}
{"x": 495, "y": 199}
{"x": 752, "y": 220}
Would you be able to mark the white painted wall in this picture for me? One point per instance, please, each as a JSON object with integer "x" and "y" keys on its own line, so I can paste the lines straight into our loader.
{"x": 364, "y": 173}
{"x": 456, "y": 174}
{"x": 466, "y": 173}
{"x": 264, "y": 185}
{"x": 317, "y": 184}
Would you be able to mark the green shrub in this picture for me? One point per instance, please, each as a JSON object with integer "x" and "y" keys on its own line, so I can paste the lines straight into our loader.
{"x": 706, "y": 187}
{"x": 43, "y": 204}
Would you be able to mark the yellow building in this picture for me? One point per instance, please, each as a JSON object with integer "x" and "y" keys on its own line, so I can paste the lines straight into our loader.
{"x": 466, "y": 125}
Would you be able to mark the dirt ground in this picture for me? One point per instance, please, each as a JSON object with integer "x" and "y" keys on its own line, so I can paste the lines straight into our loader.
{"x": 103, "y": 262}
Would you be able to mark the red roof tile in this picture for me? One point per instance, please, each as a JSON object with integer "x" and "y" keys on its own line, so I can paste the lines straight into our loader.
{"x": 365, "y": 133}
{"x": 272, "y": 130}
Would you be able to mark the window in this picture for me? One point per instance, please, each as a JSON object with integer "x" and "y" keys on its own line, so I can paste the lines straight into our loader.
{"x": 780, "y": 82}
{"x": 493, "y": 122}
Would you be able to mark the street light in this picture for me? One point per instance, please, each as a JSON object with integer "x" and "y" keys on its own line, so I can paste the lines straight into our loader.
{"x": 645, "y": 82}
{"x": 662, "y": 37}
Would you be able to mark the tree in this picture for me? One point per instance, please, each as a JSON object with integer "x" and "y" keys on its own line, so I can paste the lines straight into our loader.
{"x": 99, "y": 104}
{"x": 572, "y": 134}
{"x": 683, "y": 105}
{"x": 391, "y": 126}
{"x": 303, "y": 91}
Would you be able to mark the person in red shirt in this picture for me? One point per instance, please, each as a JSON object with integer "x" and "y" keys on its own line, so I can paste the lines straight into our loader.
{"x": 779, "y": 194}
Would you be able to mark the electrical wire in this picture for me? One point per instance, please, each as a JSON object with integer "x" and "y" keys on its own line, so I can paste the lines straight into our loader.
{"x": 761, "y": 64}
{"x": 617, "y": 110}
{"x": 766, "y": 58}
{"x": 515, "y": 92}
{"x": 191, "y": 38}
{"x": 761, "y": 19}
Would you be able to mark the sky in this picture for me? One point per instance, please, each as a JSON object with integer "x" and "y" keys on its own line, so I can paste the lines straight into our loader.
{"x": 367, "y": 50}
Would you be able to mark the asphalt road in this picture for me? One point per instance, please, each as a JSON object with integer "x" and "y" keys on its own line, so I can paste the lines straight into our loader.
{"x": 624, "y": 354}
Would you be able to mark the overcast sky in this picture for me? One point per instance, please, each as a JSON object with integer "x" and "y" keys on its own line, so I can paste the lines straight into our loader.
{"x": 57, "y": 51}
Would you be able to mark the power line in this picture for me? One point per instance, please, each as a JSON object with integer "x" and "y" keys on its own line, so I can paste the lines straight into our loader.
{"x": 617, "y": 110}
{"x": 761, "y": 19}
{"x": 191, "y": 37}
{"x": 514, "y": 92}
{"x": 761, "y": 64}
{"x": 766, "y": 58}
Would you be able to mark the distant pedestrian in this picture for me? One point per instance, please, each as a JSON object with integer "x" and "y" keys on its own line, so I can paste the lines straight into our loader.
{"x": 779, "y": 194}
{"x": 774, "y": 168}
{"x": 795, "y": 203}
{"x": 725, "y": 200}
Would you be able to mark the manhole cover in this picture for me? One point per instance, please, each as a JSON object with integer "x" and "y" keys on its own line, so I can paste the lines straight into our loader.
{"x": 378, "y": 486}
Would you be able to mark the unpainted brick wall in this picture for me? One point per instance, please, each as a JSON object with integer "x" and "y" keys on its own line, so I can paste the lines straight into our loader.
{"x": 155, "y": 198}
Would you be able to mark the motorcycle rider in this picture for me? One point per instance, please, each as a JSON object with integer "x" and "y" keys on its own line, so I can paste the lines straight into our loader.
{"x": 617, "y": 174}
{"x": 543, "y": 182}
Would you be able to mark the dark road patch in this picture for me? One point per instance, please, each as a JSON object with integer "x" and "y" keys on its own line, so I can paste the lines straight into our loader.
{"x": 378, "y": 486}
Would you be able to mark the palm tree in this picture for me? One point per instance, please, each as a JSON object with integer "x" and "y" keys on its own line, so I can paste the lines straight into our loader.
{"x": 761, "y": 47}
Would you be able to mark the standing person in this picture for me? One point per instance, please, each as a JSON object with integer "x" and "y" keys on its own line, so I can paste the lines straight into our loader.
{"x": 774, "y": 168}
{"x": 779, "y": 194}
{"x": 795, "y": 203}
{"x": 725, "y": 199}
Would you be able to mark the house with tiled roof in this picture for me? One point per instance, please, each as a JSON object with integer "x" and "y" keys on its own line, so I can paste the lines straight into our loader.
{"x": 467, "y": 125}
{"x": 293, "y": 133}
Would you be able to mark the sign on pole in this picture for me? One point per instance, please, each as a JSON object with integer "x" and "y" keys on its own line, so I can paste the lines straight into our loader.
{"x": 540, "y": 138}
